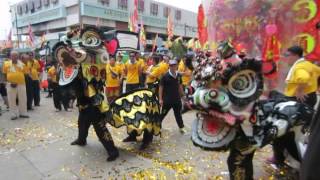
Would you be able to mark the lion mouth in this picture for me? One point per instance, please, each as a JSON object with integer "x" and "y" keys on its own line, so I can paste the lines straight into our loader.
{"x": 213, "y": 131}
{"x": 224, "y": 117}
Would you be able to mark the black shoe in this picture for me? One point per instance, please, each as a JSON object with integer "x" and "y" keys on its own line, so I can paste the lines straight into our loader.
{"x": 113, "y": 157}
{"x": 130, "y": 139}
{"x": 144, "y": 146}
{"x": 14, "y": 118}
{"x": 24, "y": 116}
{"x": 37, "y": 105}
{"x": 30, "y": 109}
{"x": 79, "y": 143}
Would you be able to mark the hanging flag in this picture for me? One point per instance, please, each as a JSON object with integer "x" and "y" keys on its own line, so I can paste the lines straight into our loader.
{"x": 43, "y": 40}
{"x": 29, "y": 42}
{"x": 9, "y": 38}
{"x": 31, "y": 36}
{"x": 154, "y": 43}
{"x": 130, "y": 24}
{"x": 143, "y": 39}
{"x": 170, "y": 27}
{"x": 98, "y": 22}
{"x": 202, "y": 26}
{"x": 8, "y": 43}
{"x": 133, "y": 19}
{"x": 271, "y": 51}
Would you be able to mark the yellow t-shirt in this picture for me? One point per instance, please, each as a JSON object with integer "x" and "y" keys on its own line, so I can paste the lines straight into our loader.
{"x": 113, "y": 74}
{"x": 142, "y": 65}
{"x": 186, "y": 78}
{"x": 303, "y": 73}
{"x": 121, "y": 67}
{"x": 52, "y": 74}
{"x": 155, "y": 74}
{"x": 34, "y": 69}
{"x": 15, "y": 72}
{"x": 132, "y": 73}
{"x": 164, "y": 67}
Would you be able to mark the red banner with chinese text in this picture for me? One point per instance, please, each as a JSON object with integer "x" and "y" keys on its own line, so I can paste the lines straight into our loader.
{"x": 266, "y": 28}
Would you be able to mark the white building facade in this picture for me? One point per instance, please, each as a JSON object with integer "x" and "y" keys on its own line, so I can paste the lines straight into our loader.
{"x": 54, "y": 17}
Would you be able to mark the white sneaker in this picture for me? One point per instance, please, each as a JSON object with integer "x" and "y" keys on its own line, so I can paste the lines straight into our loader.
{"x": 182, "y": 130}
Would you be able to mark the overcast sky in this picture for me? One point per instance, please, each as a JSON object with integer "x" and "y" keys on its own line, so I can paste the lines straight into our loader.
{"x": 5, "y": 24}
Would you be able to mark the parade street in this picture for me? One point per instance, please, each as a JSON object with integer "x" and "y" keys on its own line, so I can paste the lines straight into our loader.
{"x": 39, "y": 148}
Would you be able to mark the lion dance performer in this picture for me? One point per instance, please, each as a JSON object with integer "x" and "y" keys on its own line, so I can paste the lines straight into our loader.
{"x": 84, "y": 59}
{"x": 230, "y": 115}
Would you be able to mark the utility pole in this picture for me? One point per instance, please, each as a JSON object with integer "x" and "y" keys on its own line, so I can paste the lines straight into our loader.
{"x": 80, "y": 17}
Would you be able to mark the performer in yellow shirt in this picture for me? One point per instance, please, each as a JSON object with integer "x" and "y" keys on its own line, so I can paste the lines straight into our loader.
{"x": 164, "y": 65}
{"x": 28, "y": 81}
{"x": 121, "y": 66}
{"x": 14, "y": 71}
{"x": 35, "y": 68}
{"x": 302, "y": 78}
{"x": 113, "y": 79}
{"x": 185, "y": 70}
{"x": 301, "y": 85}
{"x": 143, "y": 66}
{"x": 53, "y": 79}
{"x": 153, "y": 75}
{"x": 132, "y": 72}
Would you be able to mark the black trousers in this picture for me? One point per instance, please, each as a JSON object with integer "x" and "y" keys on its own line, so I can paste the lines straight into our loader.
{"x": 310, "y": 166}
{"x": 92, "y": 115}
{"x": 3, "y": 90}
{"x": 154, "y": 88}
{"x": 36, "y": 92}
{"x": 142, "y": 79}
{"x": 50, "y": 88}
{"x": 287, "y": 142}
{"x": 147, "y": 136}
{"x": 239, "y": 163}
{"x": 29, "y": 88}
{"x": 56, "y": 92}
{"x": 131, "y": 87}
{"x": 176, "y": 106}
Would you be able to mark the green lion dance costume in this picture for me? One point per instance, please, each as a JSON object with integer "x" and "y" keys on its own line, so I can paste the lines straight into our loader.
{"x": 83, "y": 60}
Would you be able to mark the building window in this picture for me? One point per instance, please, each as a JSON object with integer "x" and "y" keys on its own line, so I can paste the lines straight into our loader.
{"x": 166, "y": 12}
{"x": 46, "y": 2}
{"x": 123, "y": 4}
{"x": 105, "y": 2}
{"x": 141, "y": 6}
{"x": 178, "y": 15}
{"x": 154, "y": 9}
{"x": 38, "y": 4}
{"x": 31, "y": 6}
{"x": 54, "y": 1}
{"x": 25, "y": 8}
{"x": 19, "y": 9}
